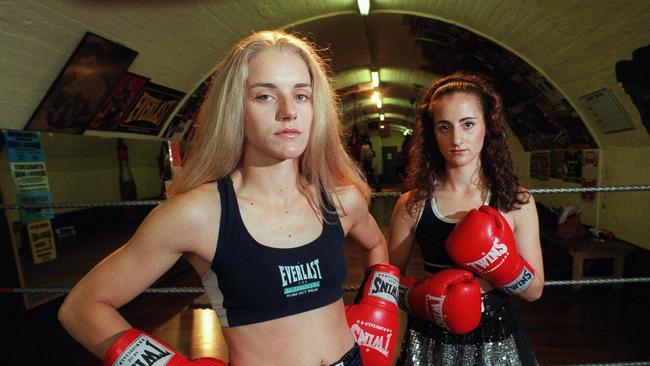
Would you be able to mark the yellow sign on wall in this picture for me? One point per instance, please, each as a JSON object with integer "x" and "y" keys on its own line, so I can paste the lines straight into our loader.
{"x": 41, "y": 241}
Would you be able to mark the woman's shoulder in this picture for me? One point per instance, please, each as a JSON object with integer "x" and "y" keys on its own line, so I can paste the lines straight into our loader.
{"x": 411, "y": 198}
{"x": 195, "y": 205}
{"x": 350, "y": 196}
{"x": 195, "y": 194}
{"x": 524, "y": 205}
{"x": 406, "y": 195}
{"x": 409, "y": 204}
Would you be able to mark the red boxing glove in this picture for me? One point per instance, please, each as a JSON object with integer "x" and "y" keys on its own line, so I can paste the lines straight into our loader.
{"x": 483, "y": 243}
{"x": 374, "y": 321}
{"x": 450, "y": 298}
{"x": 137, "y": 348}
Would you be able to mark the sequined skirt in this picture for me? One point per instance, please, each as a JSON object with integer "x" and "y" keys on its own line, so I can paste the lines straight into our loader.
{"x": 498, "y": 340}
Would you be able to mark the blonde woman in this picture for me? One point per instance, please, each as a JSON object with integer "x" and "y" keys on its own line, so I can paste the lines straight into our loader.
{"x": 265, "y": 198}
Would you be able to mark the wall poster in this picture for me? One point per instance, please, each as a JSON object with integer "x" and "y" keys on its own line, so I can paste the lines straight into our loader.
{"x": 573, "y": 166}
{"x": 118, "y": 104}
{"x": 41, "y": 241}
{"x": 539, "y": 165}
{"x": 589, "y": 173}
{"x": 87, "y": 79}
{"x": 151, "y": 110}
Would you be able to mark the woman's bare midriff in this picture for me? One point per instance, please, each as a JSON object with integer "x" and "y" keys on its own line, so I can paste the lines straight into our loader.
{"x": 313, "y": 338}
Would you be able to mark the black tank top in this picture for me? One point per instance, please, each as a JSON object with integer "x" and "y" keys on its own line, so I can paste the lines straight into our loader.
{"x": 431, "y": 233}
{"x": 249, "y": 282}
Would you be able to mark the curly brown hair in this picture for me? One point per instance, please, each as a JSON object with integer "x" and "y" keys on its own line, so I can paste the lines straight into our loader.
{"x": 427, "y": 165}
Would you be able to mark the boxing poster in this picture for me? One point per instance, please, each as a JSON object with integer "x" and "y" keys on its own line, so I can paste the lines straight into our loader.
{"x": 32, "y": 187}
{"x": 150, "y": 112}
{"x": 557, "y": 164}
{"x": 180, "y": 128}
{"x": 41, "y": 241}
{"x": 573, "y": 166}
{"x": 81, "y": 87}
{"x": 539, "y": 165}
{"x": 182, "y": 125}
{"x": 30, "y": 176}
{"x": 117, "y": 105}
{"x": 589, "y": 173}
{"x": 29, "y": 173}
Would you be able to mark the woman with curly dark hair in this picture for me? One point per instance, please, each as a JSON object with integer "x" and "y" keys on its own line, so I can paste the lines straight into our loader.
{"x": 460, "y": 160}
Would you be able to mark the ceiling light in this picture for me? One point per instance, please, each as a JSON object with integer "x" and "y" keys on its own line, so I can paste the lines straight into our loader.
{"x": 374, "y": 78}
{"x": 382, "y": 117}
{"x": 376, "y": 97}
{"x": 364, "y": 6}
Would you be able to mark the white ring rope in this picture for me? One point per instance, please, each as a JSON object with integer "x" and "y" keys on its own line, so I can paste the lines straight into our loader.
{"x": 188, "y": 290}
{"x": 13, "y": 206}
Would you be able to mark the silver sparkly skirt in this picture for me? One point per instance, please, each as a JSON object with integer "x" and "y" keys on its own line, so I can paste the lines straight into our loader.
{"x": 498, "y": 340}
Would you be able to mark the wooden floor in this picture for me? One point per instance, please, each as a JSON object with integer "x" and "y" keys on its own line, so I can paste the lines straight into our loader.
{"x": 595, "y": 324}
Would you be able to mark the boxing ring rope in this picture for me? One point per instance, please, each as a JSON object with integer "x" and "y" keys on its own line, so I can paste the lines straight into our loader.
{"x": 14, "y": 206}
{"x": 632, "y": 188}
{"x": 201, "y": 290}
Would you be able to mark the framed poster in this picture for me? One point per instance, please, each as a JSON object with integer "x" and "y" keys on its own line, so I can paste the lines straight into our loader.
{"x": 607, "y": 111}
{"x": 85, "y": 82}
{"x": 573, "y": 166}
{"x": 27, "y": 166}
{"x": 150, "y": 112}
{"x": 589, "y": 173}
{"x": 539, "y": 165}
{"x": 41, "y": 241}
{"x": 182, "y": 125}
{"x": 557, "y": 164}
{"x": 119, "y": 102}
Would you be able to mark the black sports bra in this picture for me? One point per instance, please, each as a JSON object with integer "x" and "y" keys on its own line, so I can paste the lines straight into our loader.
{"x": 249, "y": 282}
{"x": 431, "y": 233}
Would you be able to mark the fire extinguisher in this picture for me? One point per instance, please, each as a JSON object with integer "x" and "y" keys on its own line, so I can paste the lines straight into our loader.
{"x": 128, "y": 190}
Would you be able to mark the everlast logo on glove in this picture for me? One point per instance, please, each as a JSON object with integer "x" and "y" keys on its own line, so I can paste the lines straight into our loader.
{"x": 384, "y": 285}
{"x": 370, "y": 340}
{"x": 144, "y": 351}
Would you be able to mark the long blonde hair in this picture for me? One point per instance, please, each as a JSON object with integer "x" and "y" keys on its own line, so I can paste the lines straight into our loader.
{"x": 216, "y": 147}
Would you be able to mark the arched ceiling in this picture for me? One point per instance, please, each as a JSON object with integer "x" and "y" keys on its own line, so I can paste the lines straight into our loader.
{"x": 380, "y": 42}
{"x": 401, "y": 88}
{"x": 573, "y": 44}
